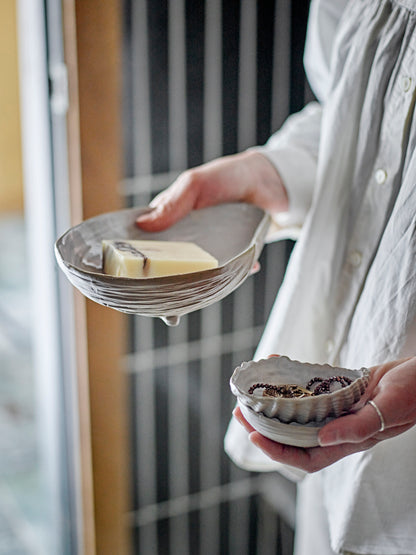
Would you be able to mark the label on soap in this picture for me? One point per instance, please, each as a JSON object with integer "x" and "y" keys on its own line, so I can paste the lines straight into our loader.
{"x": 143, "y": 258}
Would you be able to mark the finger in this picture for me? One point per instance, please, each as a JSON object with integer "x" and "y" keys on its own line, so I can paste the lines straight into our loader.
{"x": 238, "y": 415}
{"x": 377, "y": 372}
{"x": 167, "y": 208}
{"x": 163, "y": 215}
{"x": 255, "y": 269}
{"x": 309, "y": 460}
{"x": 393, "y": 431}
{"x": 352, "y": 428}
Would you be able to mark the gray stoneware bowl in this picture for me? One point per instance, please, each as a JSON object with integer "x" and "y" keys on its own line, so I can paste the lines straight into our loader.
{"x": 232, "y": 233}
{"x": 294, "y": 421}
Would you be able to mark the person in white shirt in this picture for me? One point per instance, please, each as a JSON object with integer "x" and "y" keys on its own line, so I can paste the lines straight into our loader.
{"x": 343, "y": 172}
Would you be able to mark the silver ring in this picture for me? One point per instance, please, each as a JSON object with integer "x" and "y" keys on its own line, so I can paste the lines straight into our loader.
{"x": 378, "y": 411}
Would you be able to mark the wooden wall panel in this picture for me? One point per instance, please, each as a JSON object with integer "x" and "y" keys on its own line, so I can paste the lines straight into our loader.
{"x": 11, "y": 178}
{"x": 93, "y": 58}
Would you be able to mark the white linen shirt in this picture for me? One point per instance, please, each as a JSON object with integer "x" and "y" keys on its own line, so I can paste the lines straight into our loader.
{"x": 348, "y": 298}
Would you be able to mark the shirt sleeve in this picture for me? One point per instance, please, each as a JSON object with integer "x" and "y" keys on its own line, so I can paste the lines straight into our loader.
{"x": 293, "y": 150}
{"x": 323, "y": 22}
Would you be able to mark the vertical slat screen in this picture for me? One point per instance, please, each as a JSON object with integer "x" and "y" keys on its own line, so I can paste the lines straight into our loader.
{"x": 212, "y": 124}
{"x": 177, "y": 86}
{"x": 202, "y": 79}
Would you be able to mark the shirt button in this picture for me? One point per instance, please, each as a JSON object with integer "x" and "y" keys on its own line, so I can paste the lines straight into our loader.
{"x": 406, "y": 83}
{"x": 381, "y": 176}
{"x": 355, "y": 258}
{"x": 329, "y": 346}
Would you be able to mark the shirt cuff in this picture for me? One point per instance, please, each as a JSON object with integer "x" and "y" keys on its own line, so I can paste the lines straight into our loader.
{"x": 297, "y": 169}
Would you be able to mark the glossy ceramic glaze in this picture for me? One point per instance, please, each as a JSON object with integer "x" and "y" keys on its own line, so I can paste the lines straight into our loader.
{"x": 232, "y": 233}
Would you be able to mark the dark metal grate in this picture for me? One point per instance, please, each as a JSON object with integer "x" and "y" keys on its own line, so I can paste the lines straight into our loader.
{"x": 202, "y": 80}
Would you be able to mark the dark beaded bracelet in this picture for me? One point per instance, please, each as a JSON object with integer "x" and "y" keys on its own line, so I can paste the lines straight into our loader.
{"x": 324, "y": 385}
{"x": 285, "y": 390}
{"x": 294, "y": 390}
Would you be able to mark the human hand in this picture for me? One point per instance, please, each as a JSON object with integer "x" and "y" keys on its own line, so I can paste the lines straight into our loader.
{"x": 392, "y": 388}
{"x": 247, "y": 177}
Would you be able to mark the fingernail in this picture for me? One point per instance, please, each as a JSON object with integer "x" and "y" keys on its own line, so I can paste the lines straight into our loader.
{"x": 146, "y": 214}
{"x": 328, "y": 438}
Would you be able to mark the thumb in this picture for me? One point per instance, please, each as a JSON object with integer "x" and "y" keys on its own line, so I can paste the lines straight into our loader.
{"x": 166, "y": 209}
{"x": 352, "y": 428}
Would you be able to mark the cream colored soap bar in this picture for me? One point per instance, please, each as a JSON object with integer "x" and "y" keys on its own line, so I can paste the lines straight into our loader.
{"x": 143, "y": 259}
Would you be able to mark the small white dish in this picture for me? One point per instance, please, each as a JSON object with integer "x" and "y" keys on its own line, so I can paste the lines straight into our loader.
{"x": 294, "y": 420}
{"x": 233, "y": 233}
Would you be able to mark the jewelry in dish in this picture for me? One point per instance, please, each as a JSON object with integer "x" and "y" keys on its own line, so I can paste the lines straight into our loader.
{"x": 294, "y": 390}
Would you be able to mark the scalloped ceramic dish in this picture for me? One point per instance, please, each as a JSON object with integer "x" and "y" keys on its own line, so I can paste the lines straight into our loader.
{"x": 294, "y": 421}
{"x": 233, "y": 233}
{"x": 298, "y": 435}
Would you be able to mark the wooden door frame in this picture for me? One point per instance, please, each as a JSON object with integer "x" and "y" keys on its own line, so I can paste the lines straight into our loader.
{"x": 93, "y": 52}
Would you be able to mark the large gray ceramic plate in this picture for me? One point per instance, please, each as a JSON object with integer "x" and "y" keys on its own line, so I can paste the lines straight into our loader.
{"x": 233, "y": 233}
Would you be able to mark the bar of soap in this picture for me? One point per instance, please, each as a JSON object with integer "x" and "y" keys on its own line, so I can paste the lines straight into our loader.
{"x": 144, "y": 259}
